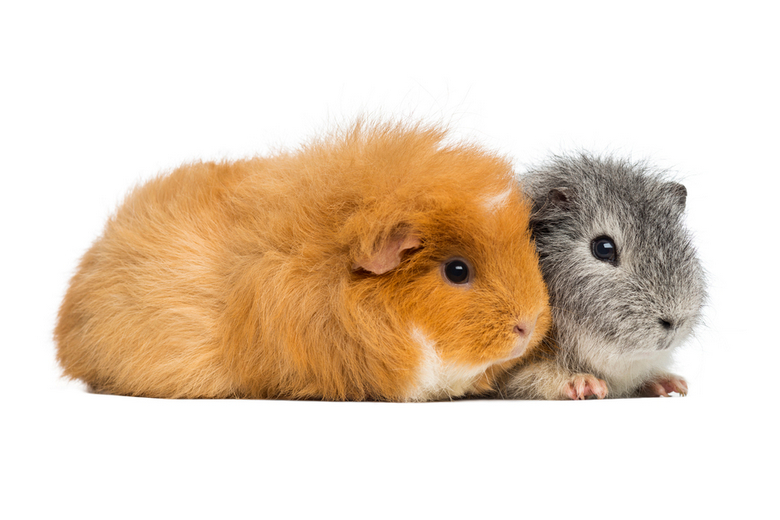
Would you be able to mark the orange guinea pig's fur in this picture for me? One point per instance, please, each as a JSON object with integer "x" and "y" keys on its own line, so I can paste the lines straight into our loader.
{"x": 317, "y": 274}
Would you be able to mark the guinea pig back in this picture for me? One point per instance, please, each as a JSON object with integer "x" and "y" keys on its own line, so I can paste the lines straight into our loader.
{"x": 376, "y": 263}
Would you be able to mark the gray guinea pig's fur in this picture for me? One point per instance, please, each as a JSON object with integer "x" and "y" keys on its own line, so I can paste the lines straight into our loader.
{"x": 614, "y": 322}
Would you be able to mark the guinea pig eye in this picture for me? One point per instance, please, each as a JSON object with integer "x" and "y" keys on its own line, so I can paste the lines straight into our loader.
{"x": 604, "y": 249}
{"x": 457, "y": 271}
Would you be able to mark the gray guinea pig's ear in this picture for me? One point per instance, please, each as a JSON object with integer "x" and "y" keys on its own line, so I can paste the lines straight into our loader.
{"x": 678, "y": 194}
{"x": 562, "y": 197}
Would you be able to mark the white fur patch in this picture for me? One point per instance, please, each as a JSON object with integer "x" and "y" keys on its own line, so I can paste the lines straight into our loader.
{"x": 624, "y": 370}
{"x": 494, "y": 202}
{"x": 437, "y": 379}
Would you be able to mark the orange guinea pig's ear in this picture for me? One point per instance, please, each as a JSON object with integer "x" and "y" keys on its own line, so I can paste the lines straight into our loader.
{"x": 389, "y": 251}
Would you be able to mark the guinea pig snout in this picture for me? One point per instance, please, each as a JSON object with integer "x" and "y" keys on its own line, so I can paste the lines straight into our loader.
{"x": 672, "y": 330}
{"x": 670, "y": 325}
{"x": 522, "y": 330}
{"x": 667, "y": 324}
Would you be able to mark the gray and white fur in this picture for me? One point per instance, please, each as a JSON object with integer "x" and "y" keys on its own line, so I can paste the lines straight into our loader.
{"x": 616, "y": 323}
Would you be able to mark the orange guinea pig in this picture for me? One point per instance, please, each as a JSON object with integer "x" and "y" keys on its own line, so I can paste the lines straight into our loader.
{"x": 378, "y": 263}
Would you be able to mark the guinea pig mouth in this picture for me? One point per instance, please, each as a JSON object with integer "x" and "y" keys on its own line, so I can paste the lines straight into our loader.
{"x": 666, "y": 343}
{"x": 519, "y": 348}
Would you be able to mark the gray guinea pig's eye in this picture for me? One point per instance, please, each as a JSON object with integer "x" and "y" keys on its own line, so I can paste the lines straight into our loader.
{"x": 604, "y": 249}
{"x": 457, "y": 271}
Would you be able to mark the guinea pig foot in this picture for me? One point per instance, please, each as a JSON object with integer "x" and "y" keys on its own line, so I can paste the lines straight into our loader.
{"x": 585, "y": 386}
{"x": 663, "y": 386}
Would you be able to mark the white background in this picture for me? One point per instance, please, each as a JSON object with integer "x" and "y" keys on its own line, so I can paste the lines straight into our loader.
{"x": 96, "y": 97}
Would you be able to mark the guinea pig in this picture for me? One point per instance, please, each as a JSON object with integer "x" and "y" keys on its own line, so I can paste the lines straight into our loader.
{"x": 375, "y": 263}
{"x": 624, "y": 282}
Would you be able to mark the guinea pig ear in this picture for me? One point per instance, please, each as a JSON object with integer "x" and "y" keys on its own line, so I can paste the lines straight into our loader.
{"x": 389, "y": 252}
{"x": 562, "y": 197}
{"x": 678, "y": 193}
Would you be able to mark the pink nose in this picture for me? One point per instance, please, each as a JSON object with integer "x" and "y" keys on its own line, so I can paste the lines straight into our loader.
{"x": 523, "y": 329}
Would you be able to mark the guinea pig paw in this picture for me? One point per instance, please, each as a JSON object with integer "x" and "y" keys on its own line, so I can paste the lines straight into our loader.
{"x": 585, "y": 386}
{"x": 664, "y": 385}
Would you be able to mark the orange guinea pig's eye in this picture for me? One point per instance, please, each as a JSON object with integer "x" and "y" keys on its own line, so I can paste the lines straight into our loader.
{"x": 457, "y": 271}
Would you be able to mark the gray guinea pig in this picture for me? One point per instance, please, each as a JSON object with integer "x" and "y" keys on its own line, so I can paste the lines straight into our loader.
{"x": 626, "y": 287}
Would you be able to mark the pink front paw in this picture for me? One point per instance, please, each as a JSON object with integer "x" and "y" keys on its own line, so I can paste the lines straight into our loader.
{"x": 663, "y": 385}
{"x": 582, "y": 386}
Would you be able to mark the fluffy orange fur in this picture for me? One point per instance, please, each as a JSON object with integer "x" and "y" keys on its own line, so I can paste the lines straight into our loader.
{"x": 307, "y": 274}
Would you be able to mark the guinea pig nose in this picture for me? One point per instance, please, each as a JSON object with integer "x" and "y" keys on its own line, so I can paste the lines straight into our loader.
{"x": 522, "y": 329}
